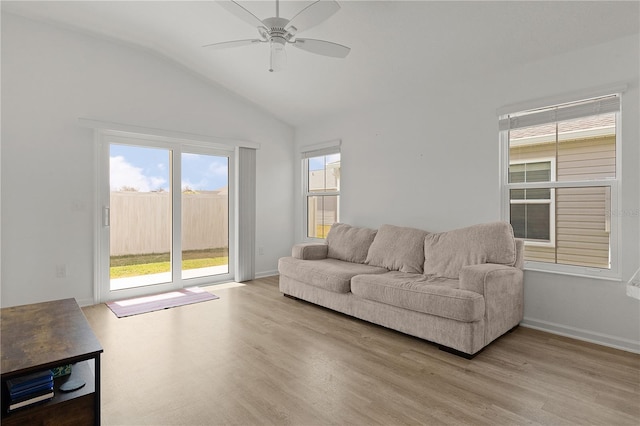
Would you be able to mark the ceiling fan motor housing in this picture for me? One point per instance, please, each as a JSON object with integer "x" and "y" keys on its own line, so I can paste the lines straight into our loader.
{"x": 276, "y": 30}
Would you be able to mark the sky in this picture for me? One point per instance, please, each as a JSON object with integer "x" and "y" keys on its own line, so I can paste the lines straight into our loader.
{"x": 147, "y": 169}
{"x": 318, "y": 163}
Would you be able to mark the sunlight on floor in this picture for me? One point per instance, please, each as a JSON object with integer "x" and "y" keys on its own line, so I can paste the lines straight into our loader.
{"x": 147, "y": 299}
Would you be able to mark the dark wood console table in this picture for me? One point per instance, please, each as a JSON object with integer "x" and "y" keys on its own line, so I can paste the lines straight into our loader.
{"x": 42, "y": 336}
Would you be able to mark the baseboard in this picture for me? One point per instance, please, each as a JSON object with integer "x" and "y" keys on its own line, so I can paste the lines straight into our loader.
{"x": 265, "y": 274}
{"x": 85, "y": 302}
{"x": 584, "y": 335}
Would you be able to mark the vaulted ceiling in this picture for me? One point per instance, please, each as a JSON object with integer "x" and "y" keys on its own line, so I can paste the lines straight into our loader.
{"x": 396, "y": 46}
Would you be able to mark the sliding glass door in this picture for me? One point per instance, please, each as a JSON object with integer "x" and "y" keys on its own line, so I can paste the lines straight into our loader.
{"x": 140, "y": 210}
{"x": 205, "y": 215}
{"x": 165, "y": 217}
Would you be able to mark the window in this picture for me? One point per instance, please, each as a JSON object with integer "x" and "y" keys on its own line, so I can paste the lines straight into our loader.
{"x": 321, "y": 190}
{"x": 532, "y": 211}
{"x": 559, "y": 184}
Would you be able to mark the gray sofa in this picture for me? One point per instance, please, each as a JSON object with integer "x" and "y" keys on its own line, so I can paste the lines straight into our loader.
{"x": 461, "y": 289}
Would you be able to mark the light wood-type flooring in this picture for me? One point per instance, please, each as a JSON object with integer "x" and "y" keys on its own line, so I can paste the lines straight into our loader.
{"x": 255, "y": 357}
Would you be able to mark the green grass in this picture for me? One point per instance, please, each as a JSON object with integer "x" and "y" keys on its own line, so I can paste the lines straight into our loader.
{"x": 154, "y": 263}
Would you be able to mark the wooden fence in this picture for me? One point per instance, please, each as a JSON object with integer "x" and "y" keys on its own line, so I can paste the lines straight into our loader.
{"x": 141, "y": 222}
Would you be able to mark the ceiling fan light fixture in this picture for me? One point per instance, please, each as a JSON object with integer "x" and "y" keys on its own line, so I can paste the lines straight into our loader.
{"x": 277, "y": 56}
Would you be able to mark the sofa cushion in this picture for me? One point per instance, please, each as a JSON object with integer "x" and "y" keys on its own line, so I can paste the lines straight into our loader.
{"x": 398, "y": 249}
{"x": 330, "y": 274}
{"x": 349, "y": 243}
{"x": 447, "y": 252}
{"x": 434, "y": 296}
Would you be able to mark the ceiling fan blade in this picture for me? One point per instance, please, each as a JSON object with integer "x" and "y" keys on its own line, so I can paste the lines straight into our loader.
{"x": 235, "y": 43}
{"x": 321, "y": 47}
{"x": 241, "y": 12}
{"x": 313, "y": 14}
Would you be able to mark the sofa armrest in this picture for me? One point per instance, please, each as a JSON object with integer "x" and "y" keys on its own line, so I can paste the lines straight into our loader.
{"x": 519, "y": 254}
{"x": 310, "y": 251}
{"x": 503, "y": 290}
{"x": 477, "y": 278}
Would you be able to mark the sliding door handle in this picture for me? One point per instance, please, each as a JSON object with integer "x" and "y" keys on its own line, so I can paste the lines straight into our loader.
{"x": 106, "y": 216}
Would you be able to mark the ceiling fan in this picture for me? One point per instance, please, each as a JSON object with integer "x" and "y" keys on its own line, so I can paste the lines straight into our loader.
{"x": 279, "y": 32}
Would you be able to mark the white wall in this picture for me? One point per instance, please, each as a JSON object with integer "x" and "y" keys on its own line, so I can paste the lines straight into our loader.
{"x": 50, "y": 78}
{"x": 432, "y": 162}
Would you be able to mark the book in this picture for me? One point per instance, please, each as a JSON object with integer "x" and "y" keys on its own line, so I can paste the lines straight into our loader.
{"x": 33, "y": 399}
{"x": 17, "y": 384}
{"x": 14, "y": 395}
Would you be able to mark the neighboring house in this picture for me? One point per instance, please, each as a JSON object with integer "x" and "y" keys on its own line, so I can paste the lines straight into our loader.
{"x": 564, "y": 225}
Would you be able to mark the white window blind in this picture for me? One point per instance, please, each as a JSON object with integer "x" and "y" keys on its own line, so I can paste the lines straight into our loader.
{"x": 316, "y": 150}
{"x": 564, "y": 112}
{"x": 246, "y": 211}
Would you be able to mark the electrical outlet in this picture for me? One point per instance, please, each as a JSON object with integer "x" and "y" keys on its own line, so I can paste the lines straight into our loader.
{"x": 260, "y": 251}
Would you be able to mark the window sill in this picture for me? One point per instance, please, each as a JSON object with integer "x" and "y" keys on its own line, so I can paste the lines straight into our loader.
{"x": 314, "y": 240}
{"x": 633, "y": 286}
{"x": 582, "y": 272}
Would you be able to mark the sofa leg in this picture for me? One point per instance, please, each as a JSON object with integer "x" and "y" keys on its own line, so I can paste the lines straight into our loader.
{"x": 457, "y": 352}
{"x": 290, "y": 296}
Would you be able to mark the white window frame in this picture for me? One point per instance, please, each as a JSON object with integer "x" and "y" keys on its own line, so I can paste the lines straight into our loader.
{"x": 242, "y": 187}
{"x": 176, "y": 147}
{"x": 312, "y": 151}
{"x": 551, "y": 202}
{"x": 613, "y": 184}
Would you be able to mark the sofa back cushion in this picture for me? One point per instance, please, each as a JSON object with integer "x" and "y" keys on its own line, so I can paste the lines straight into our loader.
{"x": 349, "y": 243}
{"x": 398, "y": 249}
{"x": 446, "y": 253}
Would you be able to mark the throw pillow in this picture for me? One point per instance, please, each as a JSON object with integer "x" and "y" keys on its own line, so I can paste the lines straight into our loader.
{"x": 398, "y": 249}
{"x": 446, "y": 253}
{"x": 349, "y": 243}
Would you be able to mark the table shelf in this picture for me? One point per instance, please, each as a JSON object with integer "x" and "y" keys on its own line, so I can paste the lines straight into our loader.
{"x": 43, "y": 336}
